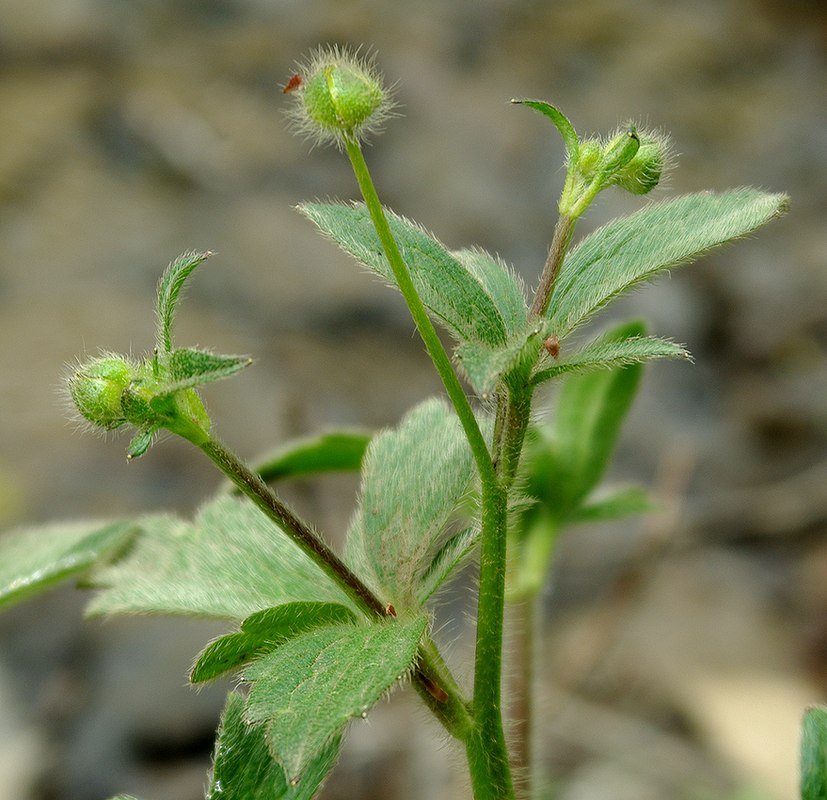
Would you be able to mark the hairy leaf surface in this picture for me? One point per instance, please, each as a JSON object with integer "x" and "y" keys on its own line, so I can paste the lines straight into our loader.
{"x": 265, "y": 631}
{"x": 33, "y": 560}
{"x": 412, "y": 481}
{"x": 229, "y": 562}
{"x": 245, "y": 769}
{"x": 633, "y": 249}
{"x": 447, "y": 288}
{"x": 500, "y": 284}
{"x": 307, "y": 690}
{"x": 484, "y": 365}
{"x": 604, "y": 353}
{"x": 169, "y": 290}
{"x": 190, "y": 368}
{"x": 571, "y": 455}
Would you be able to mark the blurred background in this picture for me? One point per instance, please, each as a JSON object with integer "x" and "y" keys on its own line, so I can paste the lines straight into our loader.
{"x": 679, "y": 650}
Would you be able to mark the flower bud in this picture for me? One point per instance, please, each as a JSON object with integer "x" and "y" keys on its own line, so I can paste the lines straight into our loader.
{"x": 97, "y": 390}
{"x": 589, "y": 157}
{"x": 339, "y": 97}
{"x": 644, "y": 170}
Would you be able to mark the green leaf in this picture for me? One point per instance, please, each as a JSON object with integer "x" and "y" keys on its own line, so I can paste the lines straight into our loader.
{"x": 485, "y": 366}
{"x": 531, "y": 551}
{"x": 189, "y": 368}
{"x": 244, "y": 768}
{"x": 169, "y": 290}
{"x": 413, "y": 479}
{"x": 448, "y": 559}
{"x": 262, "y": 632}
{"x": 561, "y": 122}
{"x": 814, "y": 754}
{"x": 447, "y": 288}
{"x": 500, "y": 283}
{"x": 634, "y": 249}
{"x": 33, "y": 560}
{"x": 567, "y": 459}
{"x": 619, "y": 503}
{"x": 307, "y": 690}
{"x": 142, "y": 441}
{"x": 230, "y": 562}
{"x": 603, "y": 353}
{"x": 327, "y": 452}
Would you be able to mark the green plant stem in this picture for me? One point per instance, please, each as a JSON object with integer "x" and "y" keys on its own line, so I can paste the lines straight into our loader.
{"x": 251, "y": 485}
{"x": 512, "y": 417}
{"x": 491, "y": 776}
{"x": 485, "y": 744}
{"x": 563, "y": 231}
{"x": 431, "y": 676}
{"x": 522, "y": 705}
{"x": 423, "y": 323}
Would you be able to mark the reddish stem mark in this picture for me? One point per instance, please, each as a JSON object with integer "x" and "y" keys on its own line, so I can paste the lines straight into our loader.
{"x": 552, "y": 345}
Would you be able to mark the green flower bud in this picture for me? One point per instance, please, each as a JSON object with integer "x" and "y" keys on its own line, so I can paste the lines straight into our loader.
{"x": 644, "y": 171}
{"x": 338, "y": 97}
{"x": 588, "y": 160}
{"x": 97, "y": 389}
{"x": 618, "y": 152}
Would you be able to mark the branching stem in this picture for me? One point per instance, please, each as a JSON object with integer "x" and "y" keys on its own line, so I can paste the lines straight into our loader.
{"x": 485, "y": 742}
{"x": 431, "y": 676}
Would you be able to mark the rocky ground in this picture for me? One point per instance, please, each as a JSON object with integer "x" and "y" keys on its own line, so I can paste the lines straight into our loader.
{"x": 679, "y": 650}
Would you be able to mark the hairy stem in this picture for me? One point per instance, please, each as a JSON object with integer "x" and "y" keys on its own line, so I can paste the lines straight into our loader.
{"x": 487, "y": 753}
{"x": 563, "y": 231}
{"x": 423, "y": 323}
{"x": 491, "y": 775}
{"x": 251, "y": 485}
{"x": 522, "y": 703}
{"x": 431, "y": 676}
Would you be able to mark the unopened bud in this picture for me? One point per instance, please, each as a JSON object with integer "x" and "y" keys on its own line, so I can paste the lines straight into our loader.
{"x": 619, "y": 151}
{"x": 644, "y": 171}
{"x": 589, "y": 157}
{"x": 339, "y": 96}
{"x": 97, "y": 389}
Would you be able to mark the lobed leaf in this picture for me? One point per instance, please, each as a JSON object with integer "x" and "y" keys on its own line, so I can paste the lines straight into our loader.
{"x": 633, "y": 249}
{"x": 265, "y": 631}
{"x": 244, "y": 768}
{"x": 814, "y": 754}
{"x": 447, "y": 288}
{"x": 169, "y": 290}
{"x": 413, "y": 479}
{"x": 229, "y": 562}
{"x": 33, "y": 560}
{"x": 307, "y": 690}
